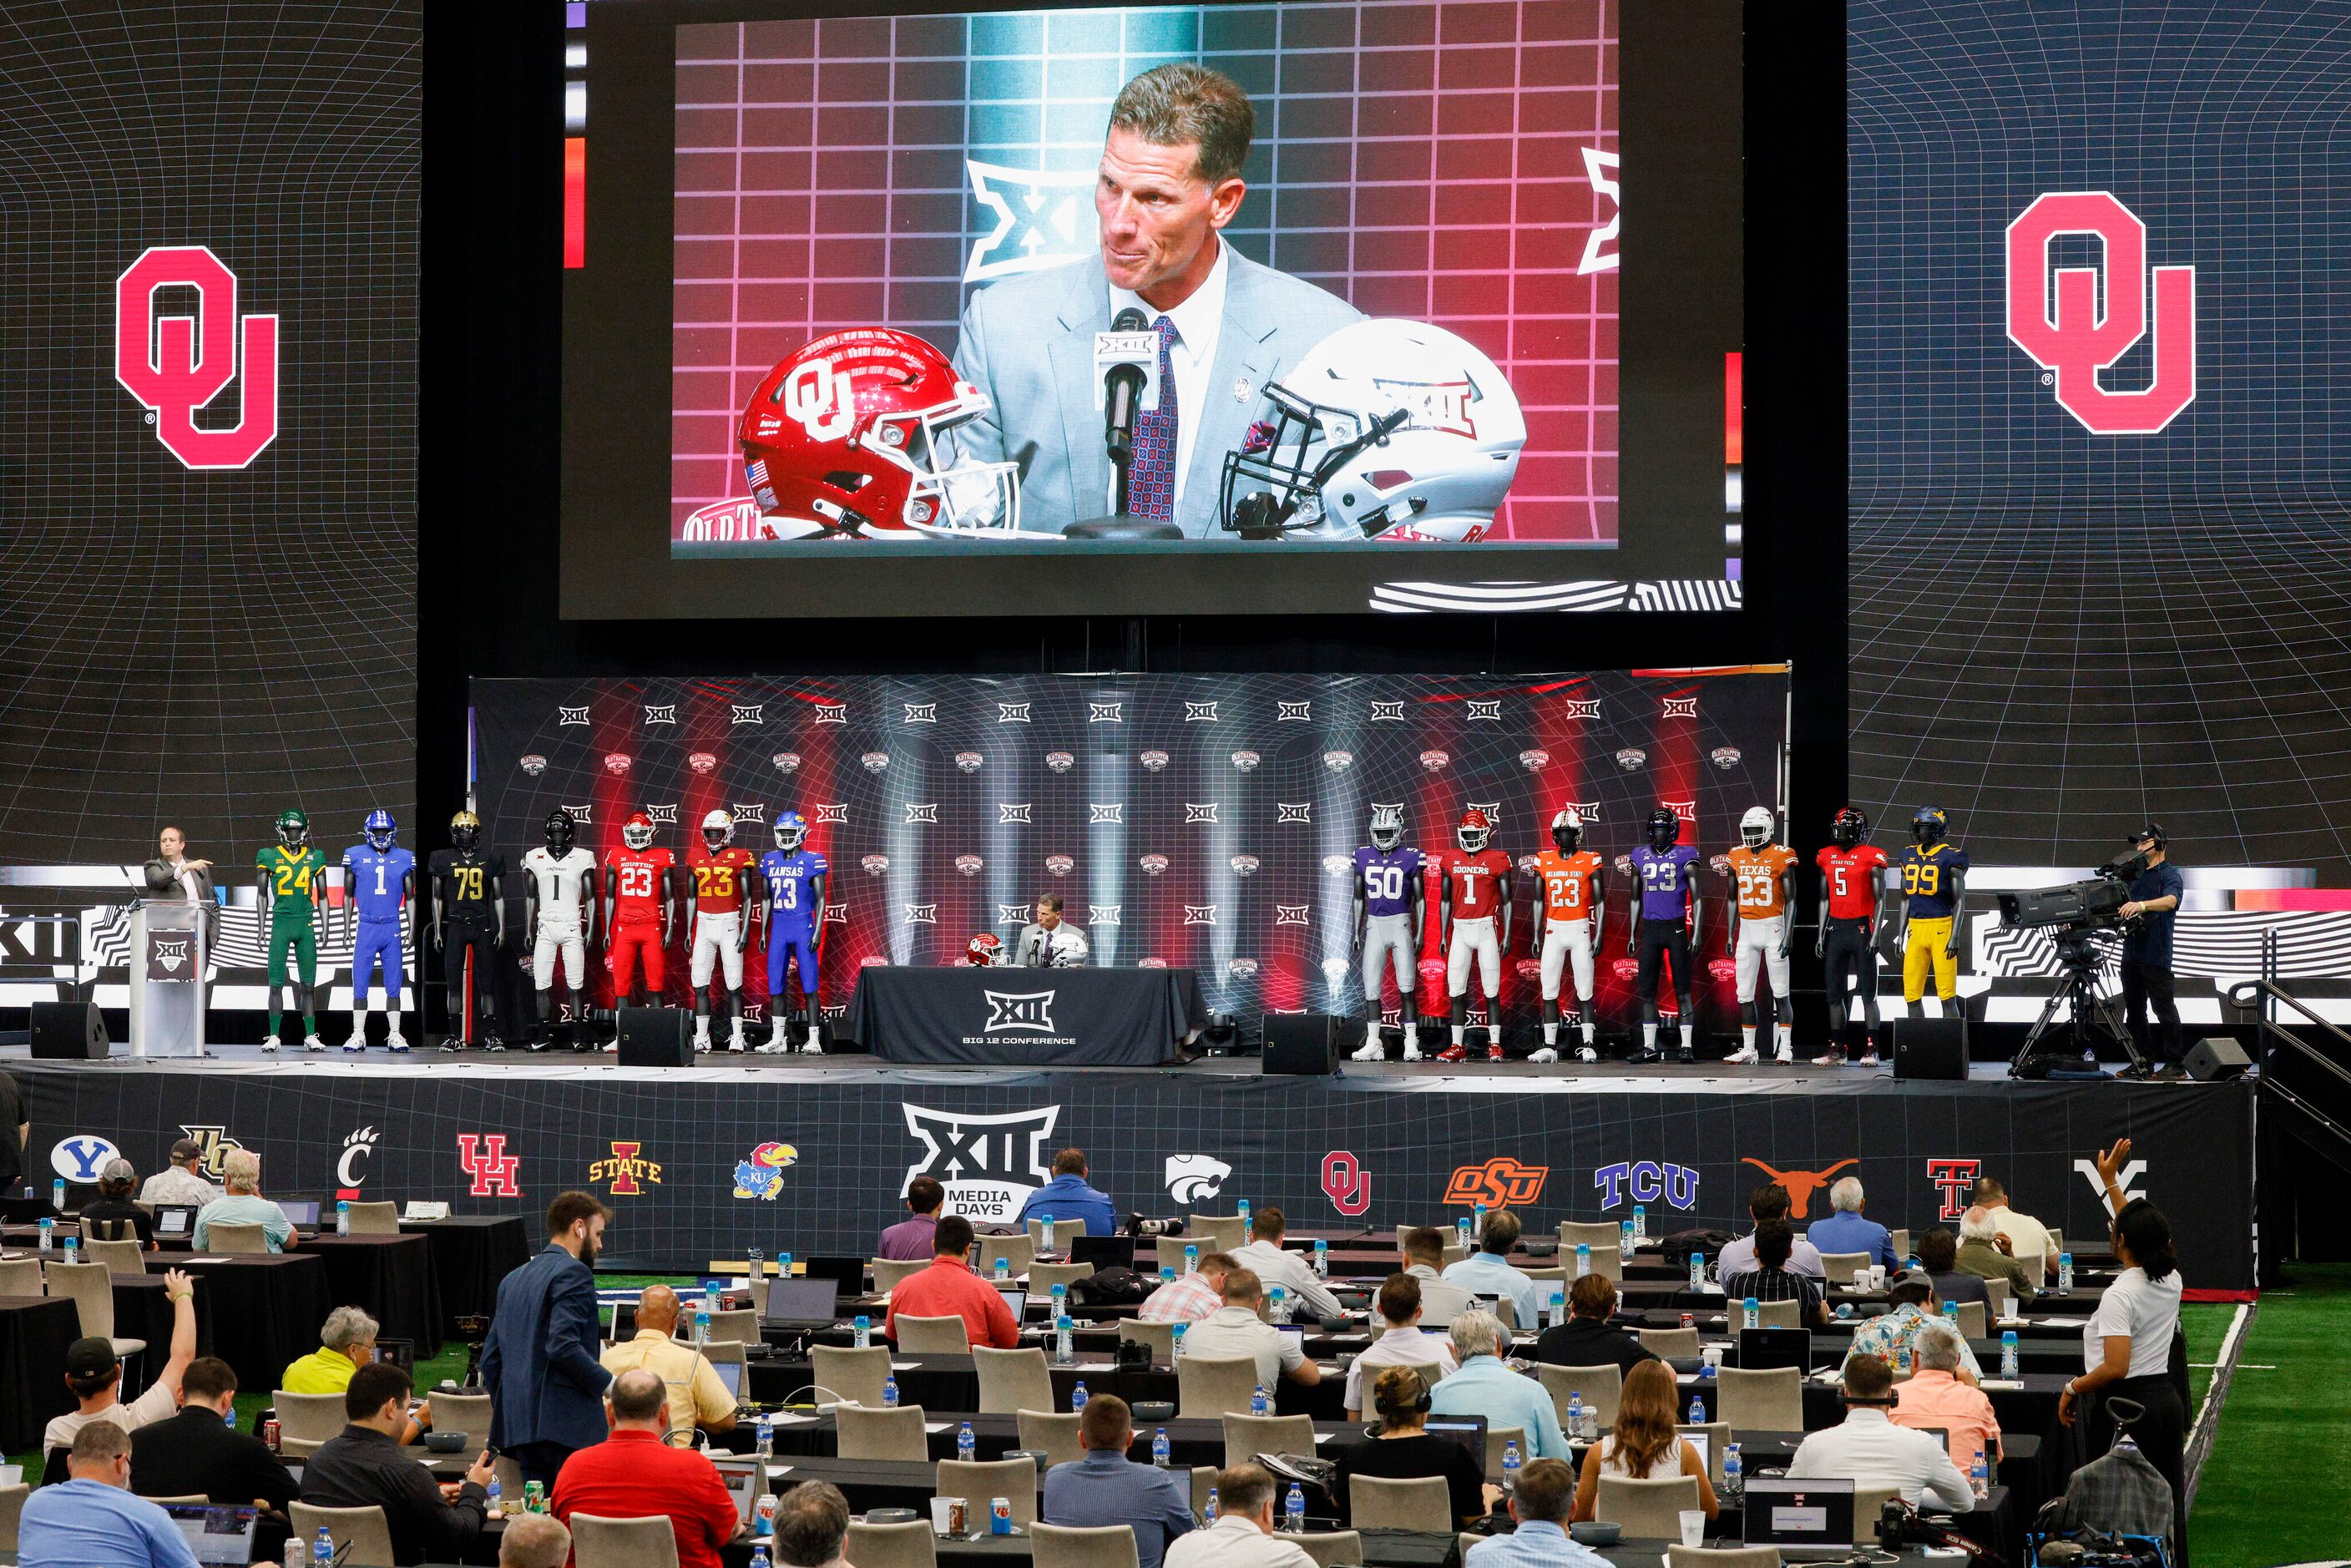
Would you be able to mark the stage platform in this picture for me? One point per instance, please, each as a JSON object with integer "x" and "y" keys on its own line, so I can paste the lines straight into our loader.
{"x": 808, "y": 1154}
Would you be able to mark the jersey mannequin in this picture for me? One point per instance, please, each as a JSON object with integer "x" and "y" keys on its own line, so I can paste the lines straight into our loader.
{"x": 1571, "y": 904}
{"x": 794, "y": 880}
{"x": 1665, "y": 926}
{"x": 292, "y": 876}
{"x": 1934, "y": 889}
{"x": 560, "y": 915}
{"x": 640, "y": 904}
{"x": 469, "y": 907}
{"x": 1383, "y": 926}
{"x": 380, "y": 883}
{"x": 717, "y": 883}
{"x": 1762, "y": 909}
{"x": 1853, "y": 890}
{"x": 1474, "y": 908}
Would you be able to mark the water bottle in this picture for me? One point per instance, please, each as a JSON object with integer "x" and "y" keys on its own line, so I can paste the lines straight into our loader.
{"x": 759, "y": 1557}
{"x": 701, "y": 1326}
{"x": 1582, "y": 1258}
{"x": 1461, "y": 1233}
{"x": 1248, "y": 1224}
{"x": 1208, "y": 1514}
{"x": 1159, "y": 1451}
{"x": 1061, "y": 1299}
{"x": 48, "y": 1233}
{"x": 1064, "y": 1345}
{"x": 1750, "y": 1313}
{"x": 783, "y": 1265}
{"x": 1625, "y": 1242}
{"x": 2008, "y": 1353}
{"x": 1321, "y": 1258}
{"x": 1003, "y": 1269}
{"x": 758, "y": 1270}
{"x": 1698, "y": 1271}
{"x": 1698, "y": 1411}
{"x": 1510, "y": 1468}
{"x": 1281, "y": 1305}
{"x": 1045, "y": 1224}
{"x": 1191, "y": 1257}
{"x": 890, "y": 1392}
{"x": 57, "y": 1194}
{"x": 966, "y": 1446}
{"x": 2066, "y": 1273}
{"x": 861, "y": 1332}
{"x": 1293, "y": 1511}
{"x": 1178, "y": 1337}
{"x": 1258, "y": 1404}
{"x": 710, "y": 1301}
{"x": 1574, "y": 1414}
{"x": 497, "y": 1509}
{"x": 1477, "y": 1221}
{"x": 765, "y": 1433}
{"x": 73, "y": 1249}
{"x": 1706, "y": 1372}
{"x": 1641, "y": 1221}
{"x": 1558, "y": 1308}
{"x": 1077, "y": 1398}
{"x": 1912, "y": 1262}
{"x": 323, "y": 1549}
{"x": 1734, "y": 1473}
{"x": 342, "y": 1217}
{"x": 1951, "y": 1314}
{"x": 1980, "y": 1477}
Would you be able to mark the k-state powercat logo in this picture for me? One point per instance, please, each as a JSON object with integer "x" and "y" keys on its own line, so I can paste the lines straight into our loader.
{"x": 2081, "y": 339}
{"x": 175, "y": 365}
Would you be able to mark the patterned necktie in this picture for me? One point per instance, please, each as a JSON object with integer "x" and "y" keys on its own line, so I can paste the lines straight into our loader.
{"x": 1151, "y": 477}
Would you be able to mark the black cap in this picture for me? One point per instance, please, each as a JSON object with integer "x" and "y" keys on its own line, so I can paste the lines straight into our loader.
{"x": 85, "y": 1357}
{"x": 187, "y": 1149}
{"x": 2151, "y": 830}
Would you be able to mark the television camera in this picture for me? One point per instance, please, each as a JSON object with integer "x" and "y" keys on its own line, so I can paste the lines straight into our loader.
{"x": 2076, "y": 916}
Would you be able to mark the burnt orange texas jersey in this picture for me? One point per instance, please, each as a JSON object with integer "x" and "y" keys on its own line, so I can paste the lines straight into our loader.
{"x": 1757, "y": 874}
{"x": 1566, "y": 884}
{"x": 718, "y": 879}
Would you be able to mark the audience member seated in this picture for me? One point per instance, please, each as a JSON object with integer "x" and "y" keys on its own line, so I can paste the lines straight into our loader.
{"x": 1067, "y": 1196}
{"x": 1939, "y": 1254}
{"x": 1846, "y": 1231}
{"x": 243, "y": 1205}
{"x": 1937, "y": 1396}
{"x": 200, "y": 1451}
{"x": 1276, "y": 1266}
{"x": 345, "y": 1343}
{"x": 365, "y": 1467}
{"x": 1769, "y": 1201}
{"x": 1488, "y": 1272}
{"x": 91, "y": 1521}
{"x": 534, "y": 1541}
{"x": 1870, "y": 1450}
{"x": 1107, "y": 1488}
{"x": 1404, "y": 1344}
{"x": 1546, "y": 1496}
{"x": 811, "y": 1523}
{"x": 1483, "y": 1384}
{"x": 697, "y": 1397}
{"x": 1770, "y": 1278}
{"x": 1243, "y": 1535}
{"x": 1422, "y": 1247}
{"x": 909, "y": 1241}
{"x": 113, "y": 1217}
{"x": 1984, "y": 1252}
{"x": 1402, "y": 1450}
{"x": 1587, "y": 1338}
{"x": 2026, "y": 1237}
{"x": 1892, "y": 1336}
{"x": 1188, "y": 1298}
{"x": 182, "y": 1181}
{"x": 94, "y": 1377}
{"x": 634, "y": 1474}
{"x": 949, "y": 1289}
{"x": 1643, "y": 1444}
{"x": 1238, "y": 1328}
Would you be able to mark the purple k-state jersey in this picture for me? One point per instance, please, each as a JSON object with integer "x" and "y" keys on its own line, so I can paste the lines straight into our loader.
{"x": 1662, "y": 879}
{"x": 1386, "y": 877}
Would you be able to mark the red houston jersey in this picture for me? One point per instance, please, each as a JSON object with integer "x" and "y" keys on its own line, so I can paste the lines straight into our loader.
{"x": 1851, "y": 895}
{"x": 1566, "y": 884}
{"x": 1476, "y": 880}
{"x": 718, "y": 879}
{"x": 638, "y": 874}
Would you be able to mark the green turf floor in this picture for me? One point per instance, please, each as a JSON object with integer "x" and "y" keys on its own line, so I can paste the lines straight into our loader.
{"x": 2278, "y": 1485}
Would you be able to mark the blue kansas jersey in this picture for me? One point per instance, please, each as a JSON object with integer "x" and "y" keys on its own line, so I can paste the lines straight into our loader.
{"x": 376, "y": 879}
{"x": 790, "y": 879}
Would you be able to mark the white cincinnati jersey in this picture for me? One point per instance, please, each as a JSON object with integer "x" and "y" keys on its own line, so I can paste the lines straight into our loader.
{"x": 557, "y": 880}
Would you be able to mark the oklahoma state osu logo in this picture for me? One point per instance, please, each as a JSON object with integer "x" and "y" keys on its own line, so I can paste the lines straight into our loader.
{"x": 175, "y": 365}
{"x": 2079, "y": 340}
{"x": 1500, "y": 1183}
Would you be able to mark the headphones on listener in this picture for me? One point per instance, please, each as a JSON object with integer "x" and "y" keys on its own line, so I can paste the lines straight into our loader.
{"x": 1391, "y": 1409}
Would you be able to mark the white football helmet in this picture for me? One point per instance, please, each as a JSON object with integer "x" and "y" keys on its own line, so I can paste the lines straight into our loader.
{"x": 1567, "y": 830}
{"x": 1386, "y": 430}
{"x": 717, "y": 829}
{"x": 1755, "y": 828}
{"x": 1387, "y": 826}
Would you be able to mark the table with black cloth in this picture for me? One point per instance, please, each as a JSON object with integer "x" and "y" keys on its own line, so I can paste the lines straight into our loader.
{"x": 390, "y": 1278}
{"x": 266, "y": 1309}
{"x": 471, "y": 1254}
{"x": 1093, "y": 1017}
{"x": 34, "y": 1332}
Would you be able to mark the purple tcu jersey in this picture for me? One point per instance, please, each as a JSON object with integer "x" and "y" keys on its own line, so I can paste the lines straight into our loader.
{"x": 791, "y": 878}
{"x": 1662, "y": 879}
{"x": 1388, "y": 876}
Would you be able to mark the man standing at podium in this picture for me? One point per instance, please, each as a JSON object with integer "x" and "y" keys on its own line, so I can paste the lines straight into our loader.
{"x": 1049, "y": 941}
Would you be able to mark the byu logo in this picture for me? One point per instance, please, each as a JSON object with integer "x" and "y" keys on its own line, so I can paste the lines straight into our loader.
{"x": 1200, "y": 810}
{"x": 820, "y": 398}
{"x": 1012, "y": 713}
{"x": 661, "y": 713}
{"x": 1199, "y": 713}
{"x": 1106, "y": 811}
{"x": 1681, "y": 707}
{"x": 1041, "y": 218}
{"x": 1599, "y": 244}
{"x": 1485, "y": 710}
{"x": 81, "y": 1158}
{"x": 989, "y": 1165}
{"x": 1012, "y": 812}
{"x": 1292, "y": 812}
{"x": 748, "y": 714}
{"x": 1387, "y": 713}
{"x": 922, "y": 811}
{"x": 1300, "y": 713}
{"x": 2080, "y": 340}
{"x": 571, "y": 715}
{"x": 1026, "y": 1012}
{"x": 921, "y": 713}
{"x": 156, "y": 357}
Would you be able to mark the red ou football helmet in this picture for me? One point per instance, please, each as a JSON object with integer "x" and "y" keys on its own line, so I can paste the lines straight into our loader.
{"x": 854, "y": 432}
{"x": 1474, "y": 831}
{"x": 984, "y": 949}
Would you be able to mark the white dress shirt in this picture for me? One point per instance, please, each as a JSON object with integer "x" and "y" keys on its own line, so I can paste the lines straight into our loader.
{"x": 1235, "y": 1542}
{"x": 2027, "y": 1238}
{"x": 1231, "y": 1333}
{"x": 1065, "y": 944}
{"x": 1738, "y": 1257}
{"x": 1274, "y": 1264}
{"x": 1398, "y": 1347}
{"x": 1200, "y": 322}
{"x": 1870, "y": 1450}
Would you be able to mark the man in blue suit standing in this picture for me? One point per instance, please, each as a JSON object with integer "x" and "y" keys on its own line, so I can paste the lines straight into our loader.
{"x": 539, "y": 1362}
{"x": 1170, "y": 179}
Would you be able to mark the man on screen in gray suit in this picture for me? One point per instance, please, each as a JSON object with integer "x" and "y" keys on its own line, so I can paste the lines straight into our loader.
{"x": 1170, "y": 179}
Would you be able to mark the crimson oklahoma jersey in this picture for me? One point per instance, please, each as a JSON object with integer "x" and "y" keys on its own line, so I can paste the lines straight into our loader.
{"x": 1853, "y": 893}
{"x": 639, "y": 875}
{"x": 718, "y": 879}
{"x": 1475, "y": 881}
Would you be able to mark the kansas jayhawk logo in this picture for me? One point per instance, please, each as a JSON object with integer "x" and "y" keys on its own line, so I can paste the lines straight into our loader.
{"x": 762, "y": 1175}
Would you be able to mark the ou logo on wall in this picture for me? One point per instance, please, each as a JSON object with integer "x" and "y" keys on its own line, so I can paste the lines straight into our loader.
{"x": 2078, "y": 341}
{"x": 175, "y": 365}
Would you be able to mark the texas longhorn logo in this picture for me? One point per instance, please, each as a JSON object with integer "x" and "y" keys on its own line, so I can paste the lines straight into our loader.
{"x": 175, "y": 365}
{"x": 2080, "y": 339}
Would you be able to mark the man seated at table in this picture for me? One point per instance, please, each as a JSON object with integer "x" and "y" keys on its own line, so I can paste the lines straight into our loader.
{"x": 635, "y": 1474}
{"x": 1937, "y": 1396}
{"x": 1769, "y": 1201}
{"x": 1401, "y": 1449}
{"x": 1587, "y": 1338}
{"x": 949, "y": 1289}
{"x": 364, "y": 1466}
{"x": 1939, "y": 1254}
{"x": 1769, "y": 1277}
{"x": 811, "y": 1523}
{"x": 1187, "y": 1297}
{"x": 345, "y": 1343}
{"x": 534, "y": 1541}
{"x": 1276, "y": 1266}
{"x": 1488, "y": 1272}
{"x": 1546, "y": 1497}
{"x": 1983, "y": 1252}
{"x": 2026, "y": 1237}
{"x": 1237, "y": 1330}
{"x": 1048, "y": 942}
{"x": 182, "y": 1181}
{"x": 200, "y": 1452}
{"x": 1243, "y": 1535}
{"x": 909, "y": 1241}
{"x": 1106, "y": 1487}
{"x": 1893, "y": 1335}
{"x": 1403, "y": 1342}
{"x": 1067, "y": 1196}
{"x": 113, "y": 1217}
{"x": 1847, "y": 1232}
{"x": 1422, "y": 1247}
{"x": 243, "y": 1205}
{"x": 92, "y": 1519}
{"x": 697, "y": 1397}
{"x": 94, "y": 1377}
{"x": 1483, "y": 1383}
{"x": 1870, "y": 1450}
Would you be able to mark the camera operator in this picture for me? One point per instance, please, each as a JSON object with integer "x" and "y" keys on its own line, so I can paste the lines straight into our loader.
{"x": 2147, "y": 950}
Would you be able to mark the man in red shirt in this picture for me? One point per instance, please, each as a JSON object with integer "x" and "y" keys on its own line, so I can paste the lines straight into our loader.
{"x": 634, "y": 1474}
{"x": 948, "y": 1288}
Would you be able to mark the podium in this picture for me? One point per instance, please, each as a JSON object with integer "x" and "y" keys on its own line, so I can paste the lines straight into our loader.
{"x": 168, "y": 954}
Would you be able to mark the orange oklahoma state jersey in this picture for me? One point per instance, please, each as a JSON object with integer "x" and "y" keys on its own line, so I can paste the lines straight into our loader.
{"x": 1566, "y": 884}
{"x": 1757, "y": 875}
{"x": 718, "y": 879}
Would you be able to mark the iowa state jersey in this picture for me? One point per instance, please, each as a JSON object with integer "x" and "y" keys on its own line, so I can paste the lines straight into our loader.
{"x": 1566, "y": 883}
{"x": 1475, "y": 881}
{"x": 378, "y": 878}
{"x": 1756, "y": 875}
{"x": 292, "y": 874}
{"x": 464, "y": 879}
{"x": 791, "y": 881}
{"x": 1385, "y": 877}
{"x": 1926, "y": 879}
{"x": 1663, "y": 878}
{"x": 1852, "y": 878}
{"x": 719, "y": 879}
{"x": 637, "y": 897}
{"x": 557, "y": 879}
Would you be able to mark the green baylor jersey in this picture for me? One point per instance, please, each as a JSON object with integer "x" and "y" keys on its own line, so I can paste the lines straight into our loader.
{"x": 292, "y": 875}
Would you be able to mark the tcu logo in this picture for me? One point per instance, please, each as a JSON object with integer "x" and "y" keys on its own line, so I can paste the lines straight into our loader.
{"x": 819, "y": 398}
{"x": 174, "y": 369}
{"x": 2079, "y": 341}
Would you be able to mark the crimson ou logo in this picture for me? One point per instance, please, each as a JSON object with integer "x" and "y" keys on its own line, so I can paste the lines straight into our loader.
{"x": 876, "y": 864}
{"x": 1150, "y": 963}
{"x": 1245, "y": 762}
{"x": 1060, "y": 865}
{"x": 1626, "y": 969}
{"x": 155, "y": 357}
{"x": 1059, "y": 761}
{"x": 1726, "y": 758}
{"x": 969, "y": 762}
{"x": 1240, "y": 969}
{"x": 969, "y": 864}
{"x": 1338, "y": 761}
{"x": 1632, "y": 756}
{"x": 533, "y": 764}
{"x": 1153, "y": 762}
{"x": 1154, "y": 864}
{"x": 1535, "y": 761}
{"x": 786, "y": 761}
{"x": 1434, "y": 760}
{"x": 2078, "y": 341}
{"x": 1346, "y": 1183}
{"x": 1723, "y": 968}
{"x": 702, "y": 761}
{"x": 1245, "y": 865}
{"x": 875, "y": 761}
{"x": 616, "y": 763}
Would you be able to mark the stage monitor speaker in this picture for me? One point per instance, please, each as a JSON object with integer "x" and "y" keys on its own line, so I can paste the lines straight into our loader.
{"x": 1930, "y": 1047}
{"x": 1298, "y": 1043}
{"x": 654, "y": 1037}
{"x": 2215, "y": 1057}
{"x": 68, "y": 1031}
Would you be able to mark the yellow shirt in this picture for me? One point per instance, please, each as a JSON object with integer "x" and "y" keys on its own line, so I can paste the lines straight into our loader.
{"x": 323, "y": 1371}
{"x": 695, "y": 1392}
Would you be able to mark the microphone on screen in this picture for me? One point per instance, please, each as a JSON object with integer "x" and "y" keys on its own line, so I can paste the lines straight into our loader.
{"x": 1126, "y": 361}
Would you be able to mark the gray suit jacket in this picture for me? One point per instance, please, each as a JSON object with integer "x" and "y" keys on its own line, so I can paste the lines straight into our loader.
{"x": 1070, "y": 948}
{"x": 1028, "y": 343}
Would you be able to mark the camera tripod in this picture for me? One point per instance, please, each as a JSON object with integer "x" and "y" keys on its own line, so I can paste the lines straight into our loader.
{"x": 2092, "y": 1019}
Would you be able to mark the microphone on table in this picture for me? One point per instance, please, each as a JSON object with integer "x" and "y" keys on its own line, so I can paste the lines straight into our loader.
{"x": 1126, "y": 359}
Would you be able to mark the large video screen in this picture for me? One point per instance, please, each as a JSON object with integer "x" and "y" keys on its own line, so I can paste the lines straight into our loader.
{"x": 846, "y": 297}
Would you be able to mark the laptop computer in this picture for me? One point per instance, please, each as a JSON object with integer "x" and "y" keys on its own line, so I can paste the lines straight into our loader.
{"x": 849, "y": 1272}
{"x": 1760, "y": 1349}
{"x": 175, "y": 1218}
{"x": 301, "y": 1212}
{"x": 1104, "y": 1251}
{"x": 1811, "y": 1518}
{"x": 803, "y": 1303}
{"x": 214, "y": 1532}
{"x": 743, "y": 1482}
{"x": 1469, "y": 1431}
{"x": 1016, "y": 1298}
{"x": 730, "y": 1372}
{"x": 400, "y": 1352}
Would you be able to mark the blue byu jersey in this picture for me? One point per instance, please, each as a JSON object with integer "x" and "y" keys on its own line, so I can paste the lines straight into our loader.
{"x": 376, "y": 879}
{"x": 1388, "y": 876}
{"x": 791, "y": 879}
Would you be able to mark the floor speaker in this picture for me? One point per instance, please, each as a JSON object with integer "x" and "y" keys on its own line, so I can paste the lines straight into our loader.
{"x": 1298, "y": 1043}
{"x": 1930, "y": 1047}
{"x": 68, "y": 1031}
{"x": 2216, "y": 1058}
{"x": 654, "y": 1037}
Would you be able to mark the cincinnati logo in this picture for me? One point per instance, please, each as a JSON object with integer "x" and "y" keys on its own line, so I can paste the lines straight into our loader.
{"x": 969, "y": 762}
{"x": 1293, "y": 812}
{"x": 1647, "y": 1181}
{"x": 351, "y": 1166}
{"x": 1387, "y": 713}
{"x": 1012, "y": 713}
{"x": 1434, "y": 760}
{"x": 484, "y": 1158}
{"x": 874, "y": 761}
{"x": 1059, "y": 761}
{"x": 1632, "y": 756}
{"x": 1106, "y": 811}
{"x": 661, "y": 713}
{"x": 1153, "y": 762}
{"x": 702, "y": 761}
{"x": 1534, "y": 760}
{"x": 217, "y": 1144}
{"x": 786, "y": 761}
{"x": 155, "y": 357}
{"x": 2087, "y": 335}
{"x": 1199, "y": 713}
{"x": 1725, "y": 756}
{"x": 1599, "y": 244}
{"x": 1200, "y": 810}
{"x": 920, "y": 712}
{"x": 1244, "y": 865}
{"x": 1037, "y": 214}
{"x": 746, "y": 715}
{"x": 1681, "y": 707}
{"x": 532, "y": 763}
{"x": 989, "y": 1165}
{"x": 1103, "y": 914}
{"x": 1801, "y": 1185}
{"x": 967, "y": 864}
{"x": 1484, "y": 710}
{"x": 1953, "y": 1180}
{"x": 1500, "y": 1183}
{"x": 616, "y": 762}
{"x": 1025, "y": 1013}
{"x": 920, "y": 914}
{"x": 1245, "y": 762}
{"x": 626, "y": 1173}
{"x": 1012, "y": 812}
{"x": 1106, "y": 713}
{"x": 1346, "y": 1183}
